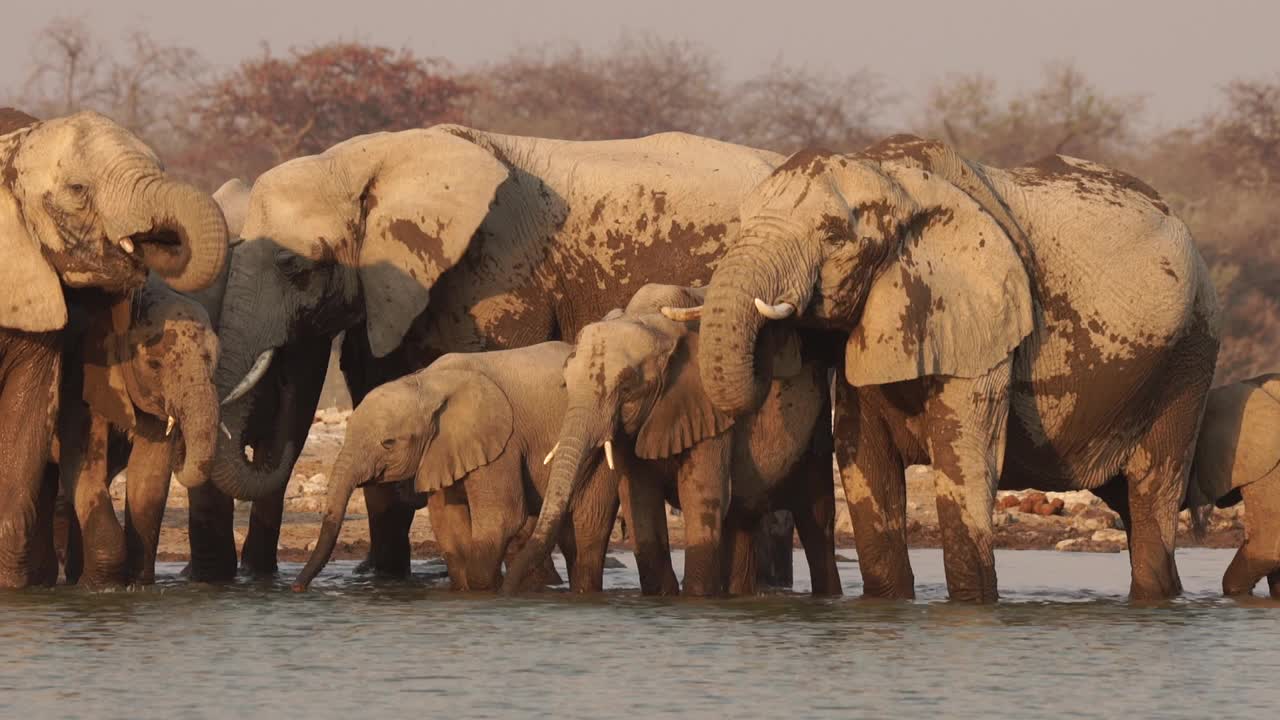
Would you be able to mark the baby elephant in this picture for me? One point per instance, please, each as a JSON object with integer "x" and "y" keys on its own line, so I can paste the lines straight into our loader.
{"x": 1238, "y": 457}
{"x": 635, "y": 391}
{"x": 472, "y": 430}
{"x": 154, "y": 383}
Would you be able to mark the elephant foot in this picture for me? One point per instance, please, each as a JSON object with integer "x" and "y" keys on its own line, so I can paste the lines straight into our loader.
{"x": 365, "y": 567}
{"x": 258, "y": 568}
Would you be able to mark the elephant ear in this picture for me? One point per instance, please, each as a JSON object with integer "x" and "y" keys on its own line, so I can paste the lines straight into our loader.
{"x": 31, "y": 299}
{"x": 233, "y": 198}
{"x": 682, "y": 415}
{"x": 421, "y": 213}
{"x": 1238, "y": 442}
{"x": 473, "y": 425}
{"x": 956, "y": 301}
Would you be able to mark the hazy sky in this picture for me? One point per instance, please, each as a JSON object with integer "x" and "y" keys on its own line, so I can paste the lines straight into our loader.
{"x": 1176, "y": 53}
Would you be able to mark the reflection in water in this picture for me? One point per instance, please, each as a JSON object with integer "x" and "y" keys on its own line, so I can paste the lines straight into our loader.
{"x": 1063, "y": 641}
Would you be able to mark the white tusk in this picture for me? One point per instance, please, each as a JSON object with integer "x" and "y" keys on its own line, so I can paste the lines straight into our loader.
{"x": 127, "y": 245}
{"x": 781, "y": 311}
{"x": 608, "y": 453}
{"x": 168, "y": 427}
{"x": 681, "y": 314}
{"x": 254, "y": 375}
{"x": 223, "y": 427}
{"x": 551, "y": 454}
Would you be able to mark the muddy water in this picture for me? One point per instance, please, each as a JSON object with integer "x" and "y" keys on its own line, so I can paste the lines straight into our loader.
{"x": 1064, "y": 642}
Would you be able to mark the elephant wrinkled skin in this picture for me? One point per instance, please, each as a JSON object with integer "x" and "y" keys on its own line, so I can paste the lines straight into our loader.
{"x": 448, "y": 239}
{"x": 83, "y": 205}
{"x": 634, "y": 389}
{"x": 469, "y": 430}
{"x": 1238, "y": 460}
{"x": 1050, "y": 326}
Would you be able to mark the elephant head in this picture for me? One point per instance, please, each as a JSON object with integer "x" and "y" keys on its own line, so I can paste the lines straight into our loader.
{"x": 635, "y": 375}
{"x": 84, "y": 203}
{"x": 436, "y": 425}
{"x": 905, "y": 246}
{"x": 174, "y": 354}
{"x": 355, "y": 236}
{"x": 1239, "y": 440}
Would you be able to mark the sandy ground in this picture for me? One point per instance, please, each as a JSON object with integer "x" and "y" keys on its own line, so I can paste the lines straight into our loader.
{"x": 1075, "y": 521}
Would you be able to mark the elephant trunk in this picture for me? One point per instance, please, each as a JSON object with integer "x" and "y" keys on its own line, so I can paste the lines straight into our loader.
{"x": 766, "y": 277}
{"x": 197, "y": 415}
{"x": 233, "y": 474}
{"x": 583, "y": 430}
{"x": 347, "y": 474}
{"x": 177, "y": 231}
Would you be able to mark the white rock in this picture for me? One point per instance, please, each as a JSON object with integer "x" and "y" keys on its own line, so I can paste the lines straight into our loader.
{"x": 1110, "y": 535}
{"x": 1069, "y": 544}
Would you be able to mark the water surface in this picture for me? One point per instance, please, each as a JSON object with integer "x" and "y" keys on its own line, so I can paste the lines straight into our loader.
{"x": 1063, "y": 642}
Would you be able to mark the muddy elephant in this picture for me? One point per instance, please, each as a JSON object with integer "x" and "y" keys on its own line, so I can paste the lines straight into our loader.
{"x": 447, "y": 239}
{"x": 84, "y": 206}
{"x": 473, "y": 430}
{"x": 1238, "y": 460}
{"x": 168, "y": 427}
{"x": 633, "y": 381}
{"x": 1049, "y": 326}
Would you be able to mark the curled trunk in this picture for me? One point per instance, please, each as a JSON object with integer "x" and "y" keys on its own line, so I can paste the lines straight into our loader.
{"x": 180, "y": 232}
{"x": 347, "y": 474}
{"x": 581, "y": 433}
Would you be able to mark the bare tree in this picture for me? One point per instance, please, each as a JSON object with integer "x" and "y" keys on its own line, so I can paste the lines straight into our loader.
{"x": 643, "y": 85}
{"x": 66, "y": 69}
{"x": 791, "y": 107}
{"x": 1065, "y": 114}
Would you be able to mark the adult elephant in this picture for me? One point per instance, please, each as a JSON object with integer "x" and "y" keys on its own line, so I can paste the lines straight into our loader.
{"x": 1050, "y": 326}
{"x": 83, "y": 204}
{"x": 446, "y": 239}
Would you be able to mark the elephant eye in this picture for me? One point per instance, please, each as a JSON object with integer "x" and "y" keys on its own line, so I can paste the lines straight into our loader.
{"x": 78, "y": 188}
{"x": 293, "y": 266}
{"x": 389, "y": 443}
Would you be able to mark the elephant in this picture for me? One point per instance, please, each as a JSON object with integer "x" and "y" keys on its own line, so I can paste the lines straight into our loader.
{"x": 85, "y": 207}
{"x": 171, "y": 422}
{"x": 1049, "y": 326}
{"x": 472, "y": 430}
{"x": 423, "y": 242}
{"x": 633, "y": 380}
{"x": 1238, "y": 459}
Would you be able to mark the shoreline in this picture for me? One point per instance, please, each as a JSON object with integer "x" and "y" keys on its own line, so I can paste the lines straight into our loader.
{"x": 1075, "y": 521}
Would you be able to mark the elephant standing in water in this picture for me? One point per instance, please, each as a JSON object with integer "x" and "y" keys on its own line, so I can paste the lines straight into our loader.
{"x": 1238, "y": 459}
{"x": 1050, "y": 326}
{"x": 83, "y": 205}
{"x": 633, "y": 380}
{"x": 447, "y": 239}
{"x": 472, "y": 430}
{"x": 171, "y": 419}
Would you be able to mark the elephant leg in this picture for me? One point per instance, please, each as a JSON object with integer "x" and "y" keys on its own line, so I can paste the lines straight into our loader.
{"x": 1158, "y": 472}
{"x": 29, "y": 377}
{"x": 547, "y": 574}
{"x": 966, "y": 435}
{"x": 814, "y": 508}
{"x": 1259, "y": 555}
{"x": 451, "y": 524}
{"x": 871, "y": 469}
{"x": 741, "y": 561}
{"x": 389, "y": 523}
{"x": 652, "y": 547}
{"x": 703, "y": 483}
{"x": 44, "y": 553}
{"x": 495, "y": 496}
{"x": 594, "y": 512}
{"x": 146, "y": 492}
{"x": 259, "y": 555}
{"x": 66, "y": 537}
{"x": 85, "y": 481}
{"x": 211, "y": 534}
{"x": 774, "y": 542}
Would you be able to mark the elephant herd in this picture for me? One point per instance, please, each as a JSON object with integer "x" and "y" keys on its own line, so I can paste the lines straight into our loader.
{"x": 539, "y": 334}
